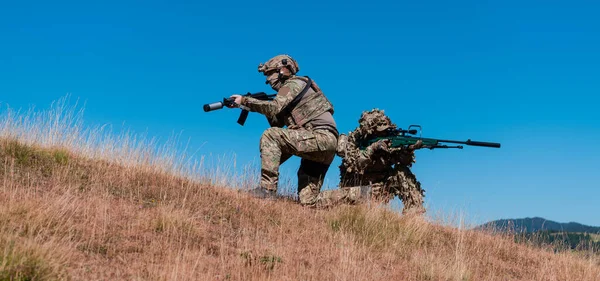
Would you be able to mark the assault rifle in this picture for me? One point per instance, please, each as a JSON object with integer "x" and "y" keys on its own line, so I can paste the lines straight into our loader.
{"x": 403, "y": 138}
{"x": 229, "y": 102}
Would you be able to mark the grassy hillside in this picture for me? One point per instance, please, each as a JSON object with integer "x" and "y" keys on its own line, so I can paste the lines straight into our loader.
{"x": 69, "y": 211}
{"x": 595, "y": 237}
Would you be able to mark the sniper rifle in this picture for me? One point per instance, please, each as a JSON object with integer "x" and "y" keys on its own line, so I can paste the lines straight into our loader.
{"x": 404, "y": 138}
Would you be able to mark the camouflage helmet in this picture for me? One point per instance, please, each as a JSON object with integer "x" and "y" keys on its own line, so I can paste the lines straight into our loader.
{"x": 279, "y": 62}
{"x": 374, "y": 121}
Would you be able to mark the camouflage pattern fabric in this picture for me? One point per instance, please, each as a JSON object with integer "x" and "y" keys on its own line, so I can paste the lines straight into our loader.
{"x": 385, "y": 170}
{"x": 344, "y": 195}
{"x": 313, "y": 104}
{"x": 316, "y": 148}
{"x": 273, "y": 70}
{"x": 404, "y": 184}
{"x": 315, "y": 143}
{"x": 277, "y": 62}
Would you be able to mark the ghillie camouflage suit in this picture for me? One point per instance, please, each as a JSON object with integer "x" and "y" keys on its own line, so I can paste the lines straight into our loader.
{"x": 311, "y": 131}
{"x": 378, "y": 172}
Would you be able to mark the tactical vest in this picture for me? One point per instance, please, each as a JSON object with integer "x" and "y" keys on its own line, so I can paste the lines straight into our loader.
{"x": 313, "y": 104}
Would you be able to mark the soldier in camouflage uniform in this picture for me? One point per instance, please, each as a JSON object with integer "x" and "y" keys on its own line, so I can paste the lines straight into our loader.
{"x": 380, "y": 172}
{"x": 310, "y": 133}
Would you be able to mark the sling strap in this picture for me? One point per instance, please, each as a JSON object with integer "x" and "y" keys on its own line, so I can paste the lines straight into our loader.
{"x": 298, "y": 98}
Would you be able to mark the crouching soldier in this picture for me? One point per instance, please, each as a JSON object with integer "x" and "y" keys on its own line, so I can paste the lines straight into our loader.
{"x": 310, "y": 131}
{"x": 378, "y": 172}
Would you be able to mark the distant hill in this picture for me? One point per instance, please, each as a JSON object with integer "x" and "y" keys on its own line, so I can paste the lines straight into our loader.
{"x": 536, "y": 224}
{"x": 540, "y": 231}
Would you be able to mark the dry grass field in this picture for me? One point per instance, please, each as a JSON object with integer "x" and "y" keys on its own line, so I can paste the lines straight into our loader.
{"x": 82, "y": 204}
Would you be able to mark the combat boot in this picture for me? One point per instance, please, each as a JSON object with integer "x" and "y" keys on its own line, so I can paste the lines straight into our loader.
{"x": 365, "y": 192}
{"x": 358, "y": 194}
{"x": 263, "y": 193}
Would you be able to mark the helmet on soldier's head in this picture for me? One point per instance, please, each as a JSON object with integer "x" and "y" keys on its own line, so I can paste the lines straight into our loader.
{"x": 278, "y": 62}
{"x": 272, "y": 69}
{"x": 374, "y": 121}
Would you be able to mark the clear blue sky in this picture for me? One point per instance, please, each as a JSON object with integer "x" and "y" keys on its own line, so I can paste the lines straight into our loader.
{"x": 522, "y": 73}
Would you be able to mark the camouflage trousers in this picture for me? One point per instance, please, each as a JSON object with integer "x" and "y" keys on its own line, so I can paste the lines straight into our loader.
{"x": 316, "y": 148}
{"x": 405, "y": 185}
{"x": 401, "y": 183}
{"x": 343, "y": 195}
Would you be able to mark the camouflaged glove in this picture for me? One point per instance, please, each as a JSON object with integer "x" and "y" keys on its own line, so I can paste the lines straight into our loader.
{"x": 380, "y": 145}
{"x": 342, "y": 145}
{"x": 417, "y": 145}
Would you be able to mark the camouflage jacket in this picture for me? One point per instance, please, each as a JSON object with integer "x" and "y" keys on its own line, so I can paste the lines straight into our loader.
{"x": 312, "y": 105}
{"x": 371, "y": 164}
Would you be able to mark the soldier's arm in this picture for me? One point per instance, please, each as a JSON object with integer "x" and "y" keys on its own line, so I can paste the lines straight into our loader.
{"x": 348, "y": 148}
{"x": 271, "y": 108}
{"x": 367, "y": 156}
{"x": 275, "y": 122}
{"x": 343, "y": 146}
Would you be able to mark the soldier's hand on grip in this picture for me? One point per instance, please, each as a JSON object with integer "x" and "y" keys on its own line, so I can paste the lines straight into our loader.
{"x": 417, "y": 145}
{"x": 382, "y": 145}
{"x": 236, "y": 99}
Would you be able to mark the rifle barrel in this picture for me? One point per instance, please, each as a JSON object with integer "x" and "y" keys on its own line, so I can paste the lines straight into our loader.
{"x": 474, "y": 143}
{"x": 213, "y": 106}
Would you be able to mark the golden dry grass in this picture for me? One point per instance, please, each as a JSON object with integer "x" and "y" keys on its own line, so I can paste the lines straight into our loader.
{"x": 70, "y": 212}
